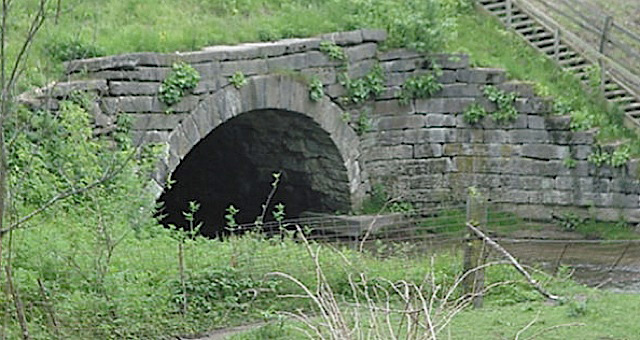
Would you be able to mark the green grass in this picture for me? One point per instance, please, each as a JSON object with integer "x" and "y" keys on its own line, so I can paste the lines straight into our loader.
{"x": 584, "y": 313}
{"x": 489, "y": 44}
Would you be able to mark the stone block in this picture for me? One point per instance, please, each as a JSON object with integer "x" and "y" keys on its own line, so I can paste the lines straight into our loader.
{"x": 400, "y": 122}
{"x": 389, "y": 152}
{"x": 290, "y": 62}
{"x": 361, "y": 52}
{"x": 556, "y": 197}
{"x": 149, "y": 137}
{"x": 156, "y": 121}
{"x": 495, "y": 136}
{"x": 327, "y": 75}
{"x": 442, "y": 105}
{"x": 430, "y": 150}
{"x": 523, "y": 89}
{"x": 401, "y": 65}
{"x": 430, "y": 135}
{"x": 558, "y": 122}
{"x": 247, "y": 67}
{"x": 533, "y": 105}
{"x": 535, "y": 122}
{"x": 388, "y": 137}
{"x": 450, "y": 61}
{"x": 440, "y": 120}
{"x": 360, "y": 69}
{"x": 400, "y": 53}
{"x": 64, "y": 89}
{"x": 481, "y": 76}
{"x": 448, "y": 77}
{"x": 459, "y": 90}
{"x": 134, "y": 88}
{"x": 344, "y": 38}
{"x": 373, "y": 35}
{"x": 528, "y": 136}
{"x": 544, "y": 151}
{"x": 392, "y": 107}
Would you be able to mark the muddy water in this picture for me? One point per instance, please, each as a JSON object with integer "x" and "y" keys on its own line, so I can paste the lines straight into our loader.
{"x": 611, "y": 266}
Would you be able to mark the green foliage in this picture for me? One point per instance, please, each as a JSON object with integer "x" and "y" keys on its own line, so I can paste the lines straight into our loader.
{"x": 364, "y": 123}
{"x": 70, "y": 49}
{"x": 420, "y": 87}
{"x": 562, "y": 107}
{"x": 617, "y": 158}
{"x": 379, "y": 201}
{"x": 582, "y": 120}
{"x": 362, "y": 89}
{"x": 569, "y": 163}
{"x": 238, "y": 80}
{"x": 334, "y": 51}
{"x": 506, "y": 110}
{"x": 418, "y": 24}
{"x": 316, "y": 89}
{"x": 474, "y": 113}
{"x": 570, "y": 221}
{"x": 183, "y": 78}
{"x": 221, "y": 290}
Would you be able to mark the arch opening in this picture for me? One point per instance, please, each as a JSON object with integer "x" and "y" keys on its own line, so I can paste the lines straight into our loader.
{"x": 233, "y": 165}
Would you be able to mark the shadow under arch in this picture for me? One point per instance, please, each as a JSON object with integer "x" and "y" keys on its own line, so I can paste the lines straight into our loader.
{"x": 268, "y": 126}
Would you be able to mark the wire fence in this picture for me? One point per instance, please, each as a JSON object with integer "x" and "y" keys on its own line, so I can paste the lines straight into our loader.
{"x": 223, "y": 279}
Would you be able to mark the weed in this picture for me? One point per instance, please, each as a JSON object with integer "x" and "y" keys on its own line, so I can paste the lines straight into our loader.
{"x": 316, "y": 89}
{"x": 506, "y": 110}
{"x": 617, "y": 158}
{"x": 562, "y": 107}
{"x": 570, "y": 221}
{"x": 334, "y": 51}
{"x": 569, "y": 163}
{"x": 238, "y": 80}
{"x": 420, "y": 87}
{"x": 364, "y": 123}
{"x": 183, "y": 78}
{"x": 362, "y": 89}
{"x": 581, "y": 120}
{"x": 474, "y": 113}
{"x": 71, "y": 49}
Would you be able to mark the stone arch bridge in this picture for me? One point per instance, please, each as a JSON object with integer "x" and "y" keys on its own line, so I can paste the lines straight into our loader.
{"x": 222, "y": 143}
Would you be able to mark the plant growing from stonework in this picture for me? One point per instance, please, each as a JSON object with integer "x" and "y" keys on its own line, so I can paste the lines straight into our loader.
{"x": 332, "y": 50}
{"x": 238, "y": 80}
{"x": 420, "y": 87}
{"x": 362, "y": 89}
{"x": 364, "y": 123}
{"x": 316, "y": 89}
{"x": 182, "y": 78}
{"x": 474, "y": 113}
{"x": 617, "y": 158}
{"x": 506, "y": 110}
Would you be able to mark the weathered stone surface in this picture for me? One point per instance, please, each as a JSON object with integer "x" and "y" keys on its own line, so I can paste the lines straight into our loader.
{"x": 430, "y": 135}
{"x": 344, "y": 38}
{"x": 482, "y": 76}
{"x": 427, "y": 150}
{"x": 544, "y": 151}
{"x": 402, "y": 65}
{"x": 247, "y": 67}
{"x": 399, "y": 54}
{"x": 400, "y": 122}
{"x": 389, "y": 152}
{"x": 449, "y": 61}
{"x": 361, "y": 52}
{"x": 440, "y": 120}
{"x": 156, "y": 121}
{"x": 459, "y": 91}
{"x": 523, "y": 89}
{"x": 371, "y": 35}
{"x": 442, "y": 105}
{"x": 119, "y": 88}
{"x": 361, "y": 68}
{"x": 392, "y": 107}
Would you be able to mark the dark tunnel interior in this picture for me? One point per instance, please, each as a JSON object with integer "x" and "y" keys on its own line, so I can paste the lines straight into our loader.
{"x": 234, "y": 164}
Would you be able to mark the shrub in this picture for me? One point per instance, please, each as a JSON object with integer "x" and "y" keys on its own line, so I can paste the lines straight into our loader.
{"x": 70, "y": 49}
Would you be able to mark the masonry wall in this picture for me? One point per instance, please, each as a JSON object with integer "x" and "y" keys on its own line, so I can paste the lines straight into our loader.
{"x": 427, "y": 153}
{"x": 423, "y": 150}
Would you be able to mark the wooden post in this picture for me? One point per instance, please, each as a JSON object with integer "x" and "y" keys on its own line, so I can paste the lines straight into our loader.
{"x": 556, "y": 44}
{"x": 603, "y": 74}
{"x": 473, "y": 249}
{"x": 608, "y": 21}
{"x": 509, "y": 13}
